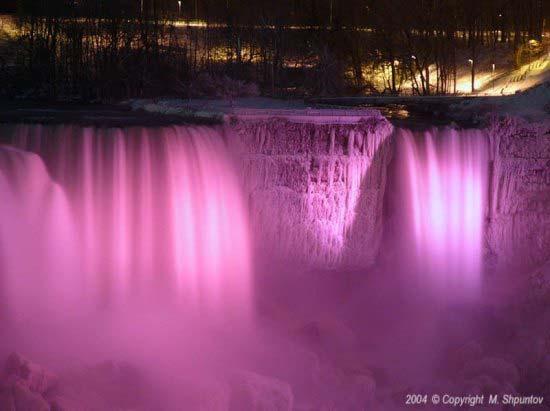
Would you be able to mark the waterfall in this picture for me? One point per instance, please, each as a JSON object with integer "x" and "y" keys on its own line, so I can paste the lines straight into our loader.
{"x": 154, "y": 214}
{"x": 443, "y": 173}
{"x": 158, "y": 213}
{"x": 37, "y": 235}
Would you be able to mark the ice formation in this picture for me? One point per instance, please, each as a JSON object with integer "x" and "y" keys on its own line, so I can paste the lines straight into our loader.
{"x": 316, "y": 188}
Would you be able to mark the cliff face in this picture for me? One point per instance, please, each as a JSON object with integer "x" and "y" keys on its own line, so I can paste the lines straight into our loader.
{"x": 315, "y": 187}
{"x": 518, "y": 232}
{"x": 316, "y": 191}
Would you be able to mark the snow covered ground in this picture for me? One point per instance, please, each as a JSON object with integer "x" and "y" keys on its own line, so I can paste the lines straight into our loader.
{"x": 533, "y": 104}
{"x": 213, "y": 108}
{"x": 497, "y": 73}
{"x": 253, "y": 107}
{"x": 501, "y": 89}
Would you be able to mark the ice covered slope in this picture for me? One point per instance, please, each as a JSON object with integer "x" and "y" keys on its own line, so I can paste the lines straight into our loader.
{"x": 518, "y": 232}
{"x": 315, "y": 182}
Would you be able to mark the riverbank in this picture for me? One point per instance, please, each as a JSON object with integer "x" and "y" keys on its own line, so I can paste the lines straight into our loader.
{"x": 408, "y": 111}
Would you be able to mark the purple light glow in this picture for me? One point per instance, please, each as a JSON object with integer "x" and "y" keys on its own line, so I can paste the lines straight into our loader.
{"x": 445, "y": 178}
{"x": 37, "y": 235}
{"x": 126, "y": 262}
{"x": 153, "y": 214}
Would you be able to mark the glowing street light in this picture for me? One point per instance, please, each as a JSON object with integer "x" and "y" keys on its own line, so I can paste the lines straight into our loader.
{"x": 179, "y": 7}
{"x": 471, "y": 61}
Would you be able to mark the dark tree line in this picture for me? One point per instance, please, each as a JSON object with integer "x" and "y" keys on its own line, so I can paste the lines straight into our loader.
{"x": 512, "y": 16}
{"x": 108, "y": 49}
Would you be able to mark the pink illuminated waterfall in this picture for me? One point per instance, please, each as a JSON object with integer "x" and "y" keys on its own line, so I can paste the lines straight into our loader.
{"x": 37, "y": 238}
{"x": 153, "y": 214}
{"x": 444, "y": 175}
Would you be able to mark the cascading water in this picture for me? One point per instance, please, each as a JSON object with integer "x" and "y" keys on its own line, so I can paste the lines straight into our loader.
{"x": 138, "y": 215}
{"x": 110, "y": 237}
{"x": 444, "y": 178}
{"x": 37, "y": 234}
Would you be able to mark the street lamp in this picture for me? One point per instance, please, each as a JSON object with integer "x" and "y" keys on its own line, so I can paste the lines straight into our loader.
{"x": 471, "y": 61}
{"x": 179, "y": 7}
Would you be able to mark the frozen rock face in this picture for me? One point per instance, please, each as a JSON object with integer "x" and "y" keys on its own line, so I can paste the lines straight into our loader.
{"x": 519, "y": 215}
{"x": 24, "y": 385}
{"x": 315, "y": 190}
{"x": 252, "y": 391}
{"x": 30, "y": 375}
{"x": 539, "y": 284}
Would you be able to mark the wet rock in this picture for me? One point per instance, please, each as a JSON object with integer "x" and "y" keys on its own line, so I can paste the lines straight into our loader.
{"x": 28, "y": 374}
{"x": 254, "y": 392}
{"x": 26, "y": 400}
{"x": 496, "y": 368}
{"x": 26, "y": 386}
{"x": 23, "y": 384}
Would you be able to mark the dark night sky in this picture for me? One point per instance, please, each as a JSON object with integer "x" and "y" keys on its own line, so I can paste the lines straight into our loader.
{"x": 7, "y": 5}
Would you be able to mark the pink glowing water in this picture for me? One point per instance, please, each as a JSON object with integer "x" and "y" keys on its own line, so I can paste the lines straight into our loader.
{"x": 127, "y": 215}
{"x": 37, "y": 238}
{"x": 444, "y": 173}
{"x": 133, "y": 244}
